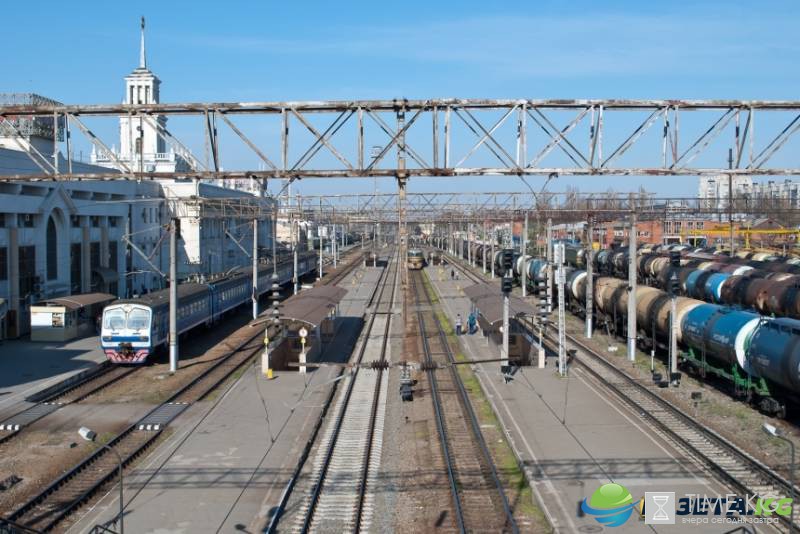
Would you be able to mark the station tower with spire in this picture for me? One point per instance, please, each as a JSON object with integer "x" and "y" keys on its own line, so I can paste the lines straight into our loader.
{"x": 140, "y": 145}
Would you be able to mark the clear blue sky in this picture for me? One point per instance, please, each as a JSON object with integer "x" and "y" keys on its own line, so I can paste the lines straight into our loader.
{"x": 228, "y": 51}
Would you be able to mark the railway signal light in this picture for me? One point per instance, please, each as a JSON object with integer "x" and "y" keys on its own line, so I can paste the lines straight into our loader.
{"x": 508, "y": 259}
{"x": 506, "y": 284}
{"x": 674, "y": 284}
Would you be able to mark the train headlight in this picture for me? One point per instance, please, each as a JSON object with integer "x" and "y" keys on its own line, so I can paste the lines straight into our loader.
{"x": 143, "y": 338}
{"x": 106, "y": 338}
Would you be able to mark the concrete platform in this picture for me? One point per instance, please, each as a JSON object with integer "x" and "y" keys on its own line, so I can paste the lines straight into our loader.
{"x": 29, "y": 366}
{"x": 573, "y": 437}
{"x": 227, "y": 461}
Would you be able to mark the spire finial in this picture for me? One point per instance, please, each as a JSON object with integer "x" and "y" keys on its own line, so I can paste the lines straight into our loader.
{"x": 142, "y": 59}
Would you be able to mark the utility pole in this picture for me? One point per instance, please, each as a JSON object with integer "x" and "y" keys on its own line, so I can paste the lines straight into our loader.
{"x": 295, "y": 278}
{"x": 632, "y": 288}
{"x": 562, "y": 335}
{"x": 265, "y": 363}
{"x": 674, "y": 285}
{"x": 468, "y": 242}
{"x": 550, "y": 272}
{"x": 730, "y": 197}
{"x": 255, "y": 268}
{"x": 484, "y": 246}
{"x": 319, "y": 235}
{"x": 492, "y": 239}
{"x": 589, "y": 277}
{"x": 173, "y": 296}
{"x": 333, "y": 237}
{"x": 673, "y": 332}
{"x": 523, "y": 273}
{"x": 275, "y": 249}
{"x": 506, "y": 287}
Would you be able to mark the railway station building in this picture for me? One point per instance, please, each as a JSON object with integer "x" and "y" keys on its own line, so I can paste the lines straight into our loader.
{"x": 61, "y": 238}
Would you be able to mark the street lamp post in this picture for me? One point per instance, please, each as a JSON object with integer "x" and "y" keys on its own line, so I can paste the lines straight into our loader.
{"x": 775, "y": 432}
{"x": 90, "y": 435}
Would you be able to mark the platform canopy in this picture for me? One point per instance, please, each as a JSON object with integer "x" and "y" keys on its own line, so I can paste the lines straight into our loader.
{"x": 312, "y": 306}
{"x": 488, "y": 301}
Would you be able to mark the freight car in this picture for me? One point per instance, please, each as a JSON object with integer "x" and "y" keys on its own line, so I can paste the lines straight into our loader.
{"x": 759, "y": 357}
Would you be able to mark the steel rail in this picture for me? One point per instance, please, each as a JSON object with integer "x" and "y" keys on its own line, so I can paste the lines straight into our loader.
{"x": 374, "y": 410}
{"x": 724, "y": 446}
{"x": 86, "y": 463}
{"x": 318, "y": 486}
{"x": 440, "y": 423}
{"x": 104, "y": 375}
{"x": 769, "y": 475}
{"x": 474, "y": 424}
{"x": 305, "y": 453}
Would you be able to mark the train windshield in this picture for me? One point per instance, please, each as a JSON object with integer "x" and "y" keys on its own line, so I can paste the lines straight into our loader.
{"x": 114, "y": 319}
{"x": 138, "y": 319}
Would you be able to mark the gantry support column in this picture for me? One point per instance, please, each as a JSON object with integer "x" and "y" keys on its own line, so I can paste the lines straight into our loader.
{"x": 402, "y": 178}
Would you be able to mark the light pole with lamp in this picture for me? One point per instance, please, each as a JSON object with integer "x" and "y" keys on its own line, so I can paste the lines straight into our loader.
{"x": 90, "y": 435}
{"x": 775, "y": 432}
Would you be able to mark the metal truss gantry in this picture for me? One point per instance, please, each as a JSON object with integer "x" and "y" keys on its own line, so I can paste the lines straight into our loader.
{"x": 454, "y": 137}
{"x": 570, "y": 206}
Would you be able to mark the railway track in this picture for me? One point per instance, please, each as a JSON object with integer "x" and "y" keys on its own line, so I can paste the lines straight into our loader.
{"x": 70, "y": 391}
{"x": 348, "y": 457}
{"x": 479, "y": 499}
{"x": 87, "y": 383}
{"x": 65, "y": 495}
{"x": 726, "y": 460}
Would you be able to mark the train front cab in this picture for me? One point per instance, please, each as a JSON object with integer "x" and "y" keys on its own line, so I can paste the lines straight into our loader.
{"x": 125, "y": 334}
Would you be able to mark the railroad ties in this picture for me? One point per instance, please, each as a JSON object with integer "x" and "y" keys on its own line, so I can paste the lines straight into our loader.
{"x": 724, "y": 459}
{"x": 69, "y": 391}
{"x": 728, "y": 461}
{"x": 348, "y": 456}
{"x": 479, "y": 499}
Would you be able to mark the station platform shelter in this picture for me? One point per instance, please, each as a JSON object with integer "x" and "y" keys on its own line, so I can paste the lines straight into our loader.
{"x": 486, "y": 302}
{"x": 312, "y": 312}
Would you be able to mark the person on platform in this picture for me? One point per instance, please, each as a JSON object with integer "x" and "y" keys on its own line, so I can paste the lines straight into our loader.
{"x": 472, "y": 323}
{"x": 458, "y": 324}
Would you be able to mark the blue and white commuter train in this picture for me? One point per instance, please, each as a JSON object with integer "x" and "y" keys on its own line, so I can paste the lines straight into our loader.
{"x": 133, "y": 328}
